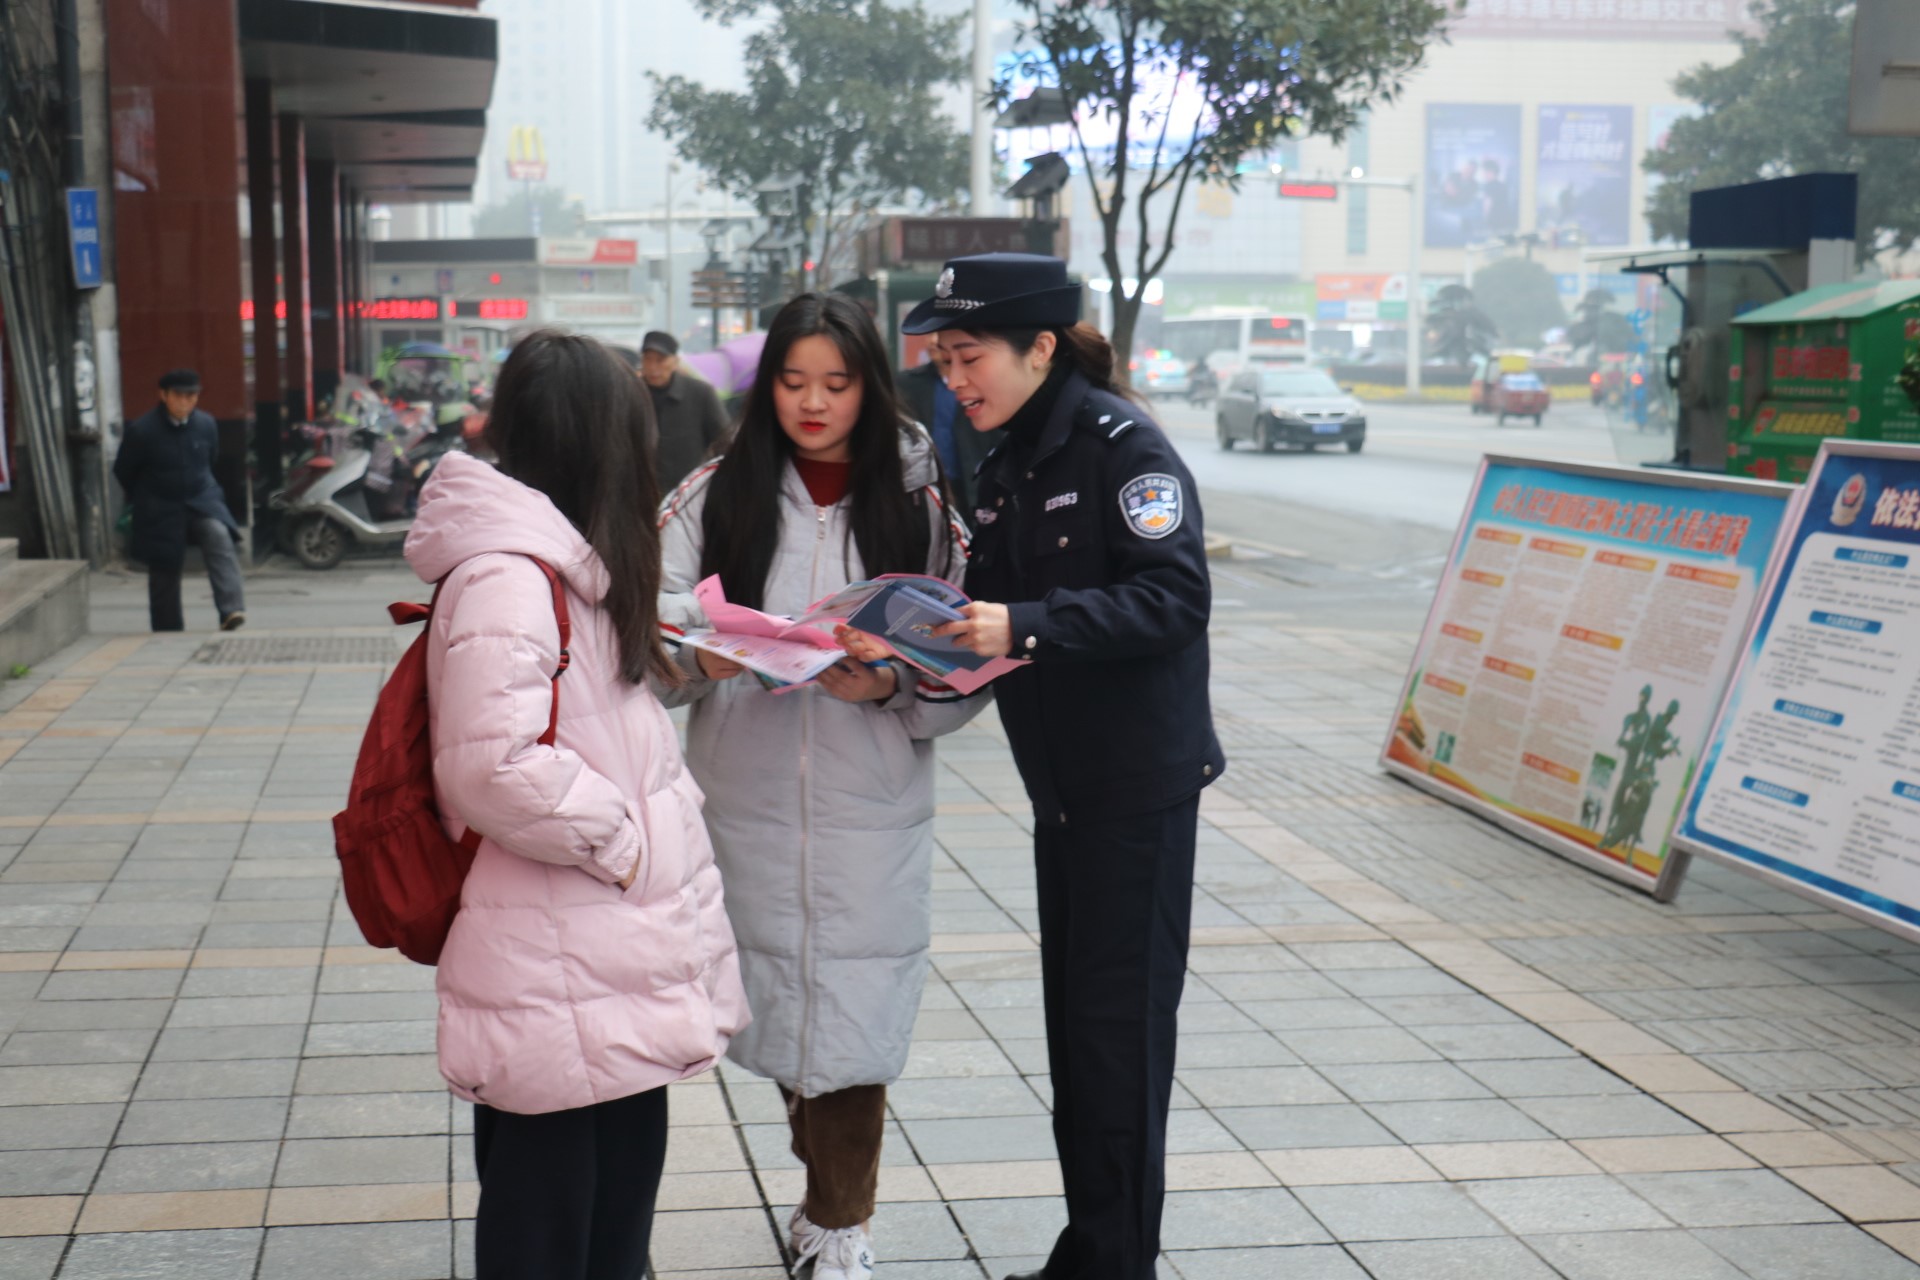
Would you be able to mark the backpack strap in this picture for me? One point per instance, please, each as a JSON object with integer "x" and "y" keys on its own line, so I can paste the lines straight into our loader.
{"x": 470, "y": 840}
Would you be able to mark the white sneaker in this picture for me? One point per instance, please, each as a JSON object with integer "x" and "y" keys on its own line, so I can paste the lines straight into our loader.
{"x": 803, "y": 1236}
{"x": 845, "y": 1253}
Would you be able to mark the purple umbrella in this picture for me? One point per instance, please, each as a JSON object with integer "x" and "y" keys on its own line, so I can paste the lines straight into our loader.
{"x": 731, "y": 368}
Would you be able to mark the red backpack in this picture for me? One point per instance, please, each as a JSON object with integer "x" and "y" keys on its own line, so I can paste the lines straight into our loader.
{"x": 401, "y": 873}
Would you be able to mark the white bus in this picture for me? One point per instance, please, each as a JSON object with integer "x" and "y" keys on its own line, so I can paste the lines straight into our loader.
{"x": 1245, "y": 336}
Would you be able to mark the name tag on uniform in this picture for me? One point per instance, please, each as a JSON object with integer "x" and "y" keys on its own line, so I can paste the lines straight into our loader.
{"x": 1060, "y": 500}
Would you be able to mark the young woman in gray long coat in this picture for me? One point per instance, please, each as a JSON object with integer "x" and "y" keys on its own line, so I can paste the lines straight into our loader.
{"x": 820, "y": 800}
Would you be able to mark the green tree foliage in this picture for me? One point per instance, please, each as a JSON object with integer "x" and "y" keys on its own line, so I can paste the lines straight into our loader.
{"x": 841, "y": 94}
{"x": 1780, "y": 108}
{"x": 513, "y": 217}
{"x": 1597, "y": 327}
{"x": 1259, "y": 71}
{"x": 1457, "y": 329}
{"x": 1520, "y": 297}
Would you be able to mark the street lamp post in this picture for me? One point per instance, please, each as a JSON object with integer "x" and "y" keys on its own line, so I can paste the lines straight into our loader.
{"x": 1415, "y": 301}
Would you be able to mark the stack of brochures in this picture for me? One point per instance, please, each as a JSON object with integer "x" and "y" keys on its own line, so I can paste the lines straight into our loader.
{"x": 900, "y": 611}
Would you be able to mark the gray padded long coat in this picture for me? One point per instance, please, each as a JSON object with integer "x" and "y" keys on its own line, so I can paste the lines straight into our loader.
{"x": 821, "y": 811}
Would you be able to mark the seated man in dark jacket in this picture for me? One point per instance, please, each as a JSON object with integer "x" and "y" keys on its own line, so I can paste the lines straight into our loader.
{"x": 166, "y": 466}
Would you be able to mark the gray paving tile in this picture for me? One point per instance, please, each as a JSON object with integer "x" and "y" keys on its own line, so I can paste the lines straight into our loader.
{"x": 80, "y": 1125}
{"x": 1626, "y": 1116}
{"x": 1258, "y": 1086}
{"x": 67, "y": 1171}
{"x": 1239, "y": 1218}
{"x": 204, "y": 1120}
{"x": 235, "y": 1078}
{"x": 164, "y": 1255}
{"x": 1670, "y": 1255}
{"x": 1477, "y": 1041}
{"x": 1797, "y": 1252}
{"x": 1476, "y": 1258}
{"x": 42, "y": 1086}
{"x": 191, "y": 1166}
{"x": 1729, "y": 1198}
{"x": 31, "y": 1257}
{"x": 1232, "y": 1049}
{"x": 290, "y": 981}
{"x": 713, "y": 1239}
{"x": 1025, "y": 1227}
{"x": 1404, "y": 1082}
{"x": 1401, "y": 1211}
{"x": 368, "y": 1115}
{"x": 112, "y": 984}
{"x": 53, "y": 1048}
{"x": 1299, "y": 1262}
{"x": 1546, "y": 1077}
{"x": 240, "y": 1011}
{"x": 369, "y": 1039}
{"x": 1471, "y": 1120}
{"x": 1530, "y": 1206}
{"x": 94, "y": 1015}
{"x": 979, "y": 1096}
{"x": 209, "y": 1044}
{"x": 364, "y": 1250}
{"x": 1312, "y": 1014}
{"x": 1287, "y": 1128}
{"x": 993, "y": 1139}
{"x": 323, "y": 1162}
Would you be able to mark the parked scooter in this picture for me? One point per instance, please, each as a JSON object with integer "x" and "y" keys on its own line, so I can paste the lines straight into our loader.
{"x": 359, "y": 481}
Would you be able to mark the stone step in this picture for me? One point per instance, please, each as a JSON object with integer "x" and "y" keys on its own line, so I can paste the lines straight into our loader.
{"x": 43, "y": 607}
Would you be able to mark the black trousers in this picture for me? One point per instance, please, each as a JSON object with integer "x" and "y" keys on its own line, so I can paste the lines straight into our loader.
{"x": 569, "y": 1195}
{"x": 1116, "y": 905}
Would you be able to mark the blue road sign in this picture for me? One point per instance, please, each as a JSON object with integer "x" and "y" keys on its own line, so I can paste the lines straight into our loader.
{"x": 83, "y": 234}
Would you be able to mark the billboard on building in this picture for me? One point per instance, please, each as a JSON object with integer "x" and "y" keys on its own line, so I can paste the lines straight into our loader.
{"x": 1603, "y": 19}
{"x": 1583, "y": 179}
{"x": 1473, "y": 173}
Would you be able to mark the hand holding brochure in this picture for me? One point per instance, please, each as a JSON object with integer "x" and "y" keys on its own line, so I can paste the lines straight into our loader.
{"x": 898, "y": 610}
{"x": 901, "y": 610}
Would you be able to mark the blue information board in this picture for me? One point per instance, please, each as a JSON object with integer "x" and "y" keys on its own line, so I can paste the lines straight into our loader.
{"x": 1811, "y": 777}
{"x": 83, "y": 235}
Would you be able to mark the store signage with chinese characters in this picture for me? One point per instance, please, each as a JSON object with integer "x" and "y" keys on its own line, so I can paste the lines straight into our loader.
{"x": 937, "y": 239}
{"x": 399, "y": 309}
{"x": 489, "y": 309}
{"x": 583, "y": 252}
{"x": 1704, "y": 20}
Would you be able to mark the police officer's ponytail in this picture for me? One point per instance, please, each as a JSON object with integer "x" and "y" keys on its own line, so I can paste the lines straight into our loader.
{"x": 1081, "y": 347}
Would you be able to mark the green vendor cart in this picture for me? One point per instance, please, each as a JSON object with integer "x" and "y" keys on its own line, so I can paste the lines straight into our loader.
{"x": 1820, "y": 364}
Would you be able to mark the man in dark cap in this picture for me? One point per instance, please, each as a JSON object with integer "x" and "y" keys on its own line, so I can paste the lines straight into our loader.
{"x": 686, "y": 408}
{"x": 166, "y": 466}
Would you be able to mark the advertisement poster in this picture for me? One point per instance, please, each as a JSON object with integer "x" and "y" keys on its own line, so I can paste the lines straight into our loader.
{"x": 1584, "y": 179}
{"x": 1577, "y": 648}
{"x": 1361, "y": 297}
{"x": 1811, "y": 777}
{"x": 1473, "y": 173}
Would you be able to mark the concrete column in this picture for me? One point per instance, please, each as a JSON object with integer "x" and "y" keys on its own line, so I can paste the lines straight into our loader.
{"x": 298, "y": 372}
{"x": 264, "y": 267}
{"x": 323, "y": 252}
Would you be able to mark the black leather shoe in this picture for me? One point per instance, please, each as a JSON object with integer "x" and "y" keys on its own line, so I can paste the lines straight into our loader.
{"x": 1029, "y": 1275}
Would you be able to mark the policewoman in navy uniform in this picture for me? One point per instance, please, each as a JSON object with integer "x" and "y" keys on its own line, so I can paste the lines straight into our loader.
{"x": 1088, "y": 561}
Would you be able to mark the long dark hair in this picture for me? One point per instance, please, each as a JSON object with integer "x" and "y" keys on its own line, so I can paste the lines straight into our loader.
{"x": 569, "y": 420}
{"x": 741, "y": 522}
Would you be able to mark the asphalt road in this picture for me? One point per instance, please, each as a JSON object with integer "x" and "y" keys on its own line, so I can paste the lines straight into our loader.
{"x": 1358, "y": 539}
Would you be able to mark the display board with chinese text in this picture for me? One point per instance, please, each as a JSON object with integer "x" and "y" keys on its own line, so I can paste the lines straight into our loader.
{"x": 1577, "y": 647}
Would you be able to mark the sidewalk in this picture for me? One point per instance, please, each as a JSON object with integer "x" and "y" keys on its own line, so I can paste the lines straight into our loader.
{"x": 1413, "y": 1048}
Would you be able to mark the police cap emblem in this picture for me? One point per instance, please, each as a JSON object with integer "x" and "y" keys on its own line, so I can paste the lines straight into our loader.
{"x": 943, "y": 288}
{"x": 1151, "y": 504}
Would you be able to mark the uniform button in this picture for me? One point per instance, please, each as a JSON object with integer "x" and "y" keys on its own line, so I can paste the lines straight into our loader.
{"x": 1206, "y": 771}
{"x": 1063, "y": 542}
{"x": 1029, "y": 475}
{"x": 1063, "y": 817}
{"x": 1033, "y": 642}
{"x": 999, "y": 502}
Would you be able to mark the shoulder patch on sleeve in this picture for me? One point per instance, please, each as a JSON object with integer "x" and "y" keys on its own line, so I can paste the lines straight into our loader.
{"x": 1152, "y": 504}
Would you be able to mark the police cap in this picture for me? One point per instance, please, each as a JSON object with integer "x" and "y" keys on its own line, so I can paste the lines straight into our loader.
{"x": 999, "y": 291}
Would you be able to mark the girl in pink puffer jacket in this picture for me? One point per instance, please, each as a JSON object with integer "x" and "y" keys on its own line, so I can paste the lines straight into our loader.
{"x": 591, "y": 963}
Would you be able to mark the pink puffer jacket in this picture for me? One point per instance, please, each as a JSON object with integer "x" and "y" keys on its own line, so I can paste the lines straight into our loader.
{"x": 557, "y": 988}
